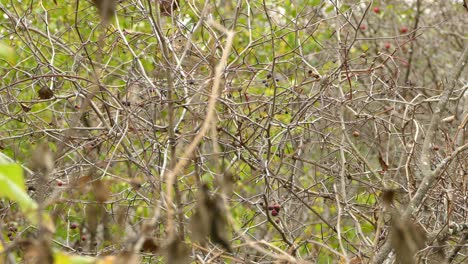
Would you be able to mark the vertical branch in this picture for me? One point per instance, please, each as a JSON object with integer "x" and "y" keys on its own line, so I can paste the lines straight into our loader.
{"x": 171, "y": 97}
{"x": 413, "y": 38}
{"x": 342, "y": 107}
{"x": 436, "y": 116}
{"x": 183, "y": 161}
{"x": 271, "y": 113}
{"x": 338, "y": 225}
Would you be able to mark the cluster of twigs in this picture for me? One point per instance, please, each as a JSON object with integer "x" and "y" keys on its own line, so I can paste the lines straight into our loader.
{"x": 177, "y": 128}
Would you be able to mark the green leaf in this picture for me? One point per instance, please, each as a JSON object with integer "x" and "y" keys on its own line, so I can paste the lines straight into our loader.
{"x": 2, "y": 256}
{"x": 329, "y": 9}
{"x": 62, "y": 258}
{"x": 14, "y": 172}
{"x": 7, "y": 53}
{"x": 329, "y": 65}
{"x": 13, "y": 188}
{"x": 314, "y": 2}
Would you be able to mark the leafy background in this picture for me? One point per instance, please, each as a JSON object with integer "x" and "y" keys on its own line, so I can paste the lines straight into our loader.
{"x": 324, "y": 106}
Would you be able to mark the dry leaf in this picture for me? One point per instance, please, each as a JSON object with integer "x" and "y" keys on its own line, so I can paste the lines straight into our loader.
{"x": 42, "y": 159}
{"x": 229, "y": 180}
{"x": 177, "y": 252}
{"x": 25, "y": 108}
{"x": 38, "y": 253}
{"x": 82, "y": 181}
{"x": 127, "y": 258}
{"x": 210, "y": 220}
{"x": 407, "y": 239}
{"x": 149, "y": 245}
{"x": 136, "y": 183}
{"x": 106, "y": 8}
{"x": 101, "y": 191}
{"x": 167, "y": 7}
{"x": 388, "y": 196}
{"x": 382, "y": 162}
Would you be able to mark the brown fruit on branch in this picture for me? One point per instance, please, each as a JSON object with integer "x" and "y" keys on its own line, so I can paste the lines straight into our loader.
{"x": 45, "y": 93}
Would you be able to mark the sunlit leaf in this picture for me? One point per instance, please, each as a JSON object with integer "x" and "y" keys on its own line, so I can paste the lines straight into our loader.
{"x": 7, "y": 53}
{"x": 13, "y": 188}
{"x": 63, "y": 258}
{"x": 314, "y": 2}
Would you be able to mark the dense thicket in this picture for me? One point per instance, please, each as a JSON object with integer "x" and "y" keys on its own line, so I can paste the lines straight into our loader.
{"x": 234, "y": 131}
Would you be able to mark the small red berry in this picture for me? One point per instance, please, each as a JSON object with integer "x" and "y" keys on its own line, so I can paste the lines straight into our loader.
{"x": 83, "y": 238}
{"x": 59, "y": 183}
{"x": 363, "y": 27}
{"x": 277, "y": 221}
{"x": 377, "y": 10}
{"x": 277, "y": 207}
{"x": 435, "y": 148}
{"x": 274, "y": 213}
{"x": 403, "y": 30}
{"x": 73, "y": 225}
{"x": 387, "y": 45}
{"x": 270, "y": 207}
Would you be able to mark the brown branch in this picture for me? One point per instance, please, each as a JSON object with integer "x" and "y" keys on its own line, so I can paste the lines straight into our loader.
{"x": 208, "y": 122}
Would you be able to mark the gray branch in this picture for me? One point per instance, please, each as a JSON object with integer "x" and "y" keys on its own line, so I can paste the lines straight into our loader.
{"x": 428, "y": 176}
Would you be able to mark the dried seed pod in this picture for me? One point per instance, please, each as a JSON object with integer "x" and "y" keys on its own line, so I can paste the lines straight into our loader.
{"x": 45, "y": 93}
